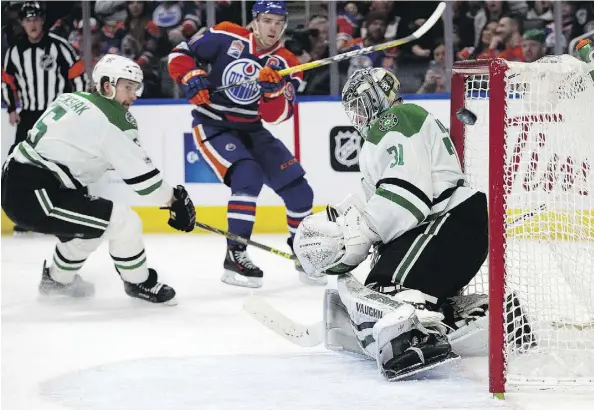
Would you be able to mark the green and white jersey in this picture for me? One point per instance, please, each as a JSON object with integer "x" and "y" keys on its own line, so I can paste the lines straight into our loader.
{"x": 81, "y": 136}
{"x": 411, "y": 172}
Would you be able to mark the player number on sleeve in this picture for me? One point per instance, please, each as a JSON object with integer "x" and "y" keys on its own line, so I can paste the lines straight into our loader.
{"x": 398, "y": 153}
{"x": 40, "y": 128}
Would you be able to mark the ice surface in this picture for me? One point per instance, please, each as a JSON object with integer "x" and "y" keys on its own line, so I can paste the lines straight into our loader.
{"x": 112, "y": 352}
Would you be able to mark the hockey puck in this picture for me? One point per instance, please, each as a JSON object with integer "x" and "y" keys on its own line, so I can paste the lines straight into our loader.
{"x": 466, "y": 116}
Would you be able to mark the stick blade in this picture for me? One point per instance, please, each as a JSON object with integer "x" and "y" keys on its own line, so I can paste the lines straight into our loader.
{"x": 296, "y": 333}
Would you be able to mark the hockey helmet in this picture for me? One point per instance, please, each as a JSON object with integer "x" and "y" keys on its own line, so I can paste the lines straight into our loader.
{"x": 115, "y": 67}
{"x": 270, "y": 7}
{"x": 367, "y": 94}
{"x": 31, "y": 9}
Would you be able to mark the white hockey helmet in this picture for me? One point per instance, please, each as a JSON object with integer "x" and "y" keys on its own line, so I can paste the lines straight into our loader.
{"x": 115, "y": 67}
{"x": 367, "y": 94}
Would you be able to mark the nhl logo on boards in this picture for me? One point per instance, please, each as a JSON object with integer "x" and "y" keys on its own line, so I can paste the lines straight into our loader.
{"x": 345, "y": 146}
{"x": 238, "y": 71}
{"x": 235, "y": 49}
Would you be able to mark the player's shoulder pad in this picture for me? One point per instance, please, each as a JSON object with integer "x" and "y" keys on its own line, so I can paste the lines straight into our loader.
{"x": 226, "y": 27}
{"x": 406, "y": 119}
{"x": 290, "y": 59}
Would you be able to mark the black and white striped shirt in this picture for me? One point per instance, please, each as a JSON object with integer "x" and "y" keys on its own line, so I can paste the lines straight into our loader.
{"x": 38, "y": 73}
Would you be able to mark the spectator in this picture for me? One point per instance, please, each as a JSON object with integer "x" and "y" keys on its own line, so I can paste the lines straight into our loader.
{"x": 463, "y": 18}
{"x": 533, "y": 45}
{"x": 317, "y": 81}
{"x": 376, "y": 25}
{"x": 493, "y": 10}
{"x": 507, "y": 41}
{"x": 347, "y": 24}
{"x": 541, "y": 10}
{"x": 386, "y": 8}
{"x": 110, "y": 12}
{"x": 481, "y": 51}
{"x": 97, "y": 40}
{"x": 570, "y": 26}
{"x": 435, "y": 75}
{"x": 413, "y": 17}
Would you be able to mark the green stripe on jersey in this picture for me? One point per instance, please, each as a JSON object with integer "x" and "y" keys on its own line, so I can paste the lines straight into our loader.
{"x": 403, "y": 202}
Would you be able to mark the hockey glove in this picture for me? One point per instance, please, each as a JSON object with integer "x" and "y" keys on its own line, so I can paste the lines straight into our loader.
{"x": 358, "y": 238}
{"x": 272, "y": 84}
{"x": 182, "y": 214}
{"x": 196, "y": 87}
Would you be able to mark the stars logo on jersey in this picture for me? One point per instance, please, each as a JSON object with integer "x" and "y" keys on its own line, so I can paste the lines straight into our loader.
{"x": 387, "y": 122}
{"x": 241, "y": 70}
{"x": 236, "y": 49}
{"x": 130, "y": 118}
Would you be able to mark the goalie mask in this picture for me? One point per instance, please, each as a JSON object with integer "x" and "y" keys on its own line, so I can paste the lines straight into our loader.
{"x": 367, "y": 94}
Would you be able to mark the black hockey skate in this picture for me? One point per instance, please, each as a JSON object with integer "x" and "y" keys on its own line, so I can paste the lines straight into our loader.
{"x": 78, "y": 288}
{"x": 304, "y": 277}
{"x": 151, "y": 290}
{"x": 239, "y": 268}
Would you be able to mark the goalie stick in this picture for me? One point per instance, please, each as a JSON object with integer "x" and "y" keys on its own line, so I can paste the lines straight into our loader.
{"x": 470, "y": 340}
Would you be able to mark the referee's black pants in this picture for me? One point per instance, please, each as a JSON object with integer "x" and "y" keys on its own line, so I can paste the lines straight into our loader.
{"x": 28, "y": 119}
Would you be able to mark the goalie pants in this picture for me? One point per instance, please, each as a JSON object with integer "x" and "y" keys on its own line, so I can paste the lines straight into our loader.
{"x": 33, "y": 198}
{"x": 438, "y": 258}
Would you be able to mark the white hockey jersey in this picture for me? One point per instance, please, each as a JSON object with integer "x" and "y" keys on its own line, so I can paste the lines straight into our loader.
{"x": 411, "y": 172}
{"x": 81, "y": 136}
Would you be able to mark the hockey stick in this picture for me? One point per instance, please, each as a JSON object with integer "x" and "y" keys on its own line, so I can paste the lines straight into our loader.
{"x": 296, "y": 333}
{"x": 241, "y": 239}
{"x": 245, "y": 241}
{"x": 420, "y": 32}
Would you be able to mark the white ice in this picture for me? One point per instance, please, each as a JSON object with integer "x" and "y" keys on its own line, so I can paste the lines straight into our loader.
{"x": 112, "y": 352}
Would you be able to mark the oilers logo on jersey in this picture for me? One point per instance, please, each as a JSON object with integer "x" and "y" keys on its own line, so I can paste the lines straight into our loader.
{"x": 242, "y": 70}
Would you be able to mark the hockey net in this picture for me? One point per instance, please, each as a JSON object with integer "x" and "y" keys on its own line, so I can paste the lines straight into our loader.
{"x": 531, "y": 151}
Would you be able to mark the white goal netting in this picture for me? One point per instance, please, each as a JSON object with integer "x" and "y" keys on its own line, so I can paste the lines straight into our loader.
{"x": 548, "y": 189}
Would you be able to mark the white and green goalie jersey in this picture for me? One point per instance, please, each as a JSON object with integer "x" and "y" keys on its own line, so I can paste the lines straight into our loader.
{"x": 411, "y": 172}
{"x": 81, "y": 136}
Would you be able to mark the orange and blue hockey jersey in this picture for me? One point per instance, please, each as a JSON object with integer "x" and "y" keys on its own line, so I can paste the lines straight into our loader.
{"x": 230, "y": 50}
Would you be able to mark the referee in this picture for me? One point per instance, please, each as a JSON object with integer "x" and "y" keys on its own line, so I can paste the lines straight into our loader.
{"x": 36, "y": 70}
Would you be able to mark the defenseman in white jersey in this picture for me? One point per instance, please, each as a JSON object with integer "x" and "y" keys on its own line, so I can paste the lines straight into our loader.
{"x": 79, "y": 137}
{"x": 428, "y": 225}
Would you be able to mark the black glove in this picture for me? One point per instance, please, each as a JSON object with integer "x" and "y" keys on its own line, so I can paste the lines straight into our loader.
{"x": 182, "y": 214}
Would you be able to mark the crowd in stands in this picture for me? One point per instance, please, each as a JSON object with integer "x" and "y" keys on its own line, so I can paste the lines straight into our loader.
{"x": 146, "y": 32}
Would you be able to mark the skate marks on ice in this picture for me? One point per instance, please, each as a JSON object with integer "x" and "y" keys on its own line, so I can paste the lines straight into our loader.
{"x": 281, "y": 382}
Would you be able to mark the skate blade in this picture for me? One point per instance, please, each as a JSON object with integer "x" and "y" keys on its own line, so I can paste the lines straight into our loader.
{"x": 451, "y": 359}
{"x": 306, "y": 280}
{"x": 235, "y": 279}
{"x": 170, "y": 302}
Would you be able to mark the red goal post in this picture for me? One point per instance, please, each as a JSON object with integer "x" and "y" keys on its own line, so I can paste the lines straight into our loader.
{"x": 531, "y": 152}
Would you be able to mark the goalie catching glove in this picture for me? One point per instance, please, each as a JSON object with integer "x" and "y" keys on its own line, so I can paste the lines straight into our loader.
{"x": 333, "y": 243}
{"x": 182, "y": 213}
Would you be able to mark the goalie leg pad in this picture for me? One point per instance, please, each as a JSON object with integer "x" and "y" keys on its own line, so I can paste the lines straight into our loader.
{"x": 338, "y": 331}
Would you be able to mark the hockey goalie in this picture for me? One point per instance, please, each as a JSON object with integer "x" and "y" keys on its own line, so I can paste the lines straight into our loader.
{"x": 428, "y": 231}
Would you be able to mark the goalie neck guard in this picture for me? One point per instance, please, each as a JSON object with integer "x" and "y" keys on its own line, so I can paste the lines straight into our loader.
{"x": 367, "y": 94}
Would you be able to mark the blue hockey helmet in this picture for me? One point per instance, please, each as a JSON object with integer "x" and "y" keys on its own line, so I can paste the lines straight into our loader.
{"x": 270, "y": 7}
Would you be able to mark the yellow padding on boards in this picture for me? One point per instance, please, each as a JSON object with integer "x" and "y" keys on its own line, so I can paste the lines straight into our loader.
{"x": 549, "y": 225}
{"x": 269, "y": 219}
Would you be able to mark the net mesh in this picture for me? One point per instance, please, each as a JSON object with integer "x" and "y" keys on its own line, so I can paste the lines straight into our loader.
{"x": 548, "y": 190}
